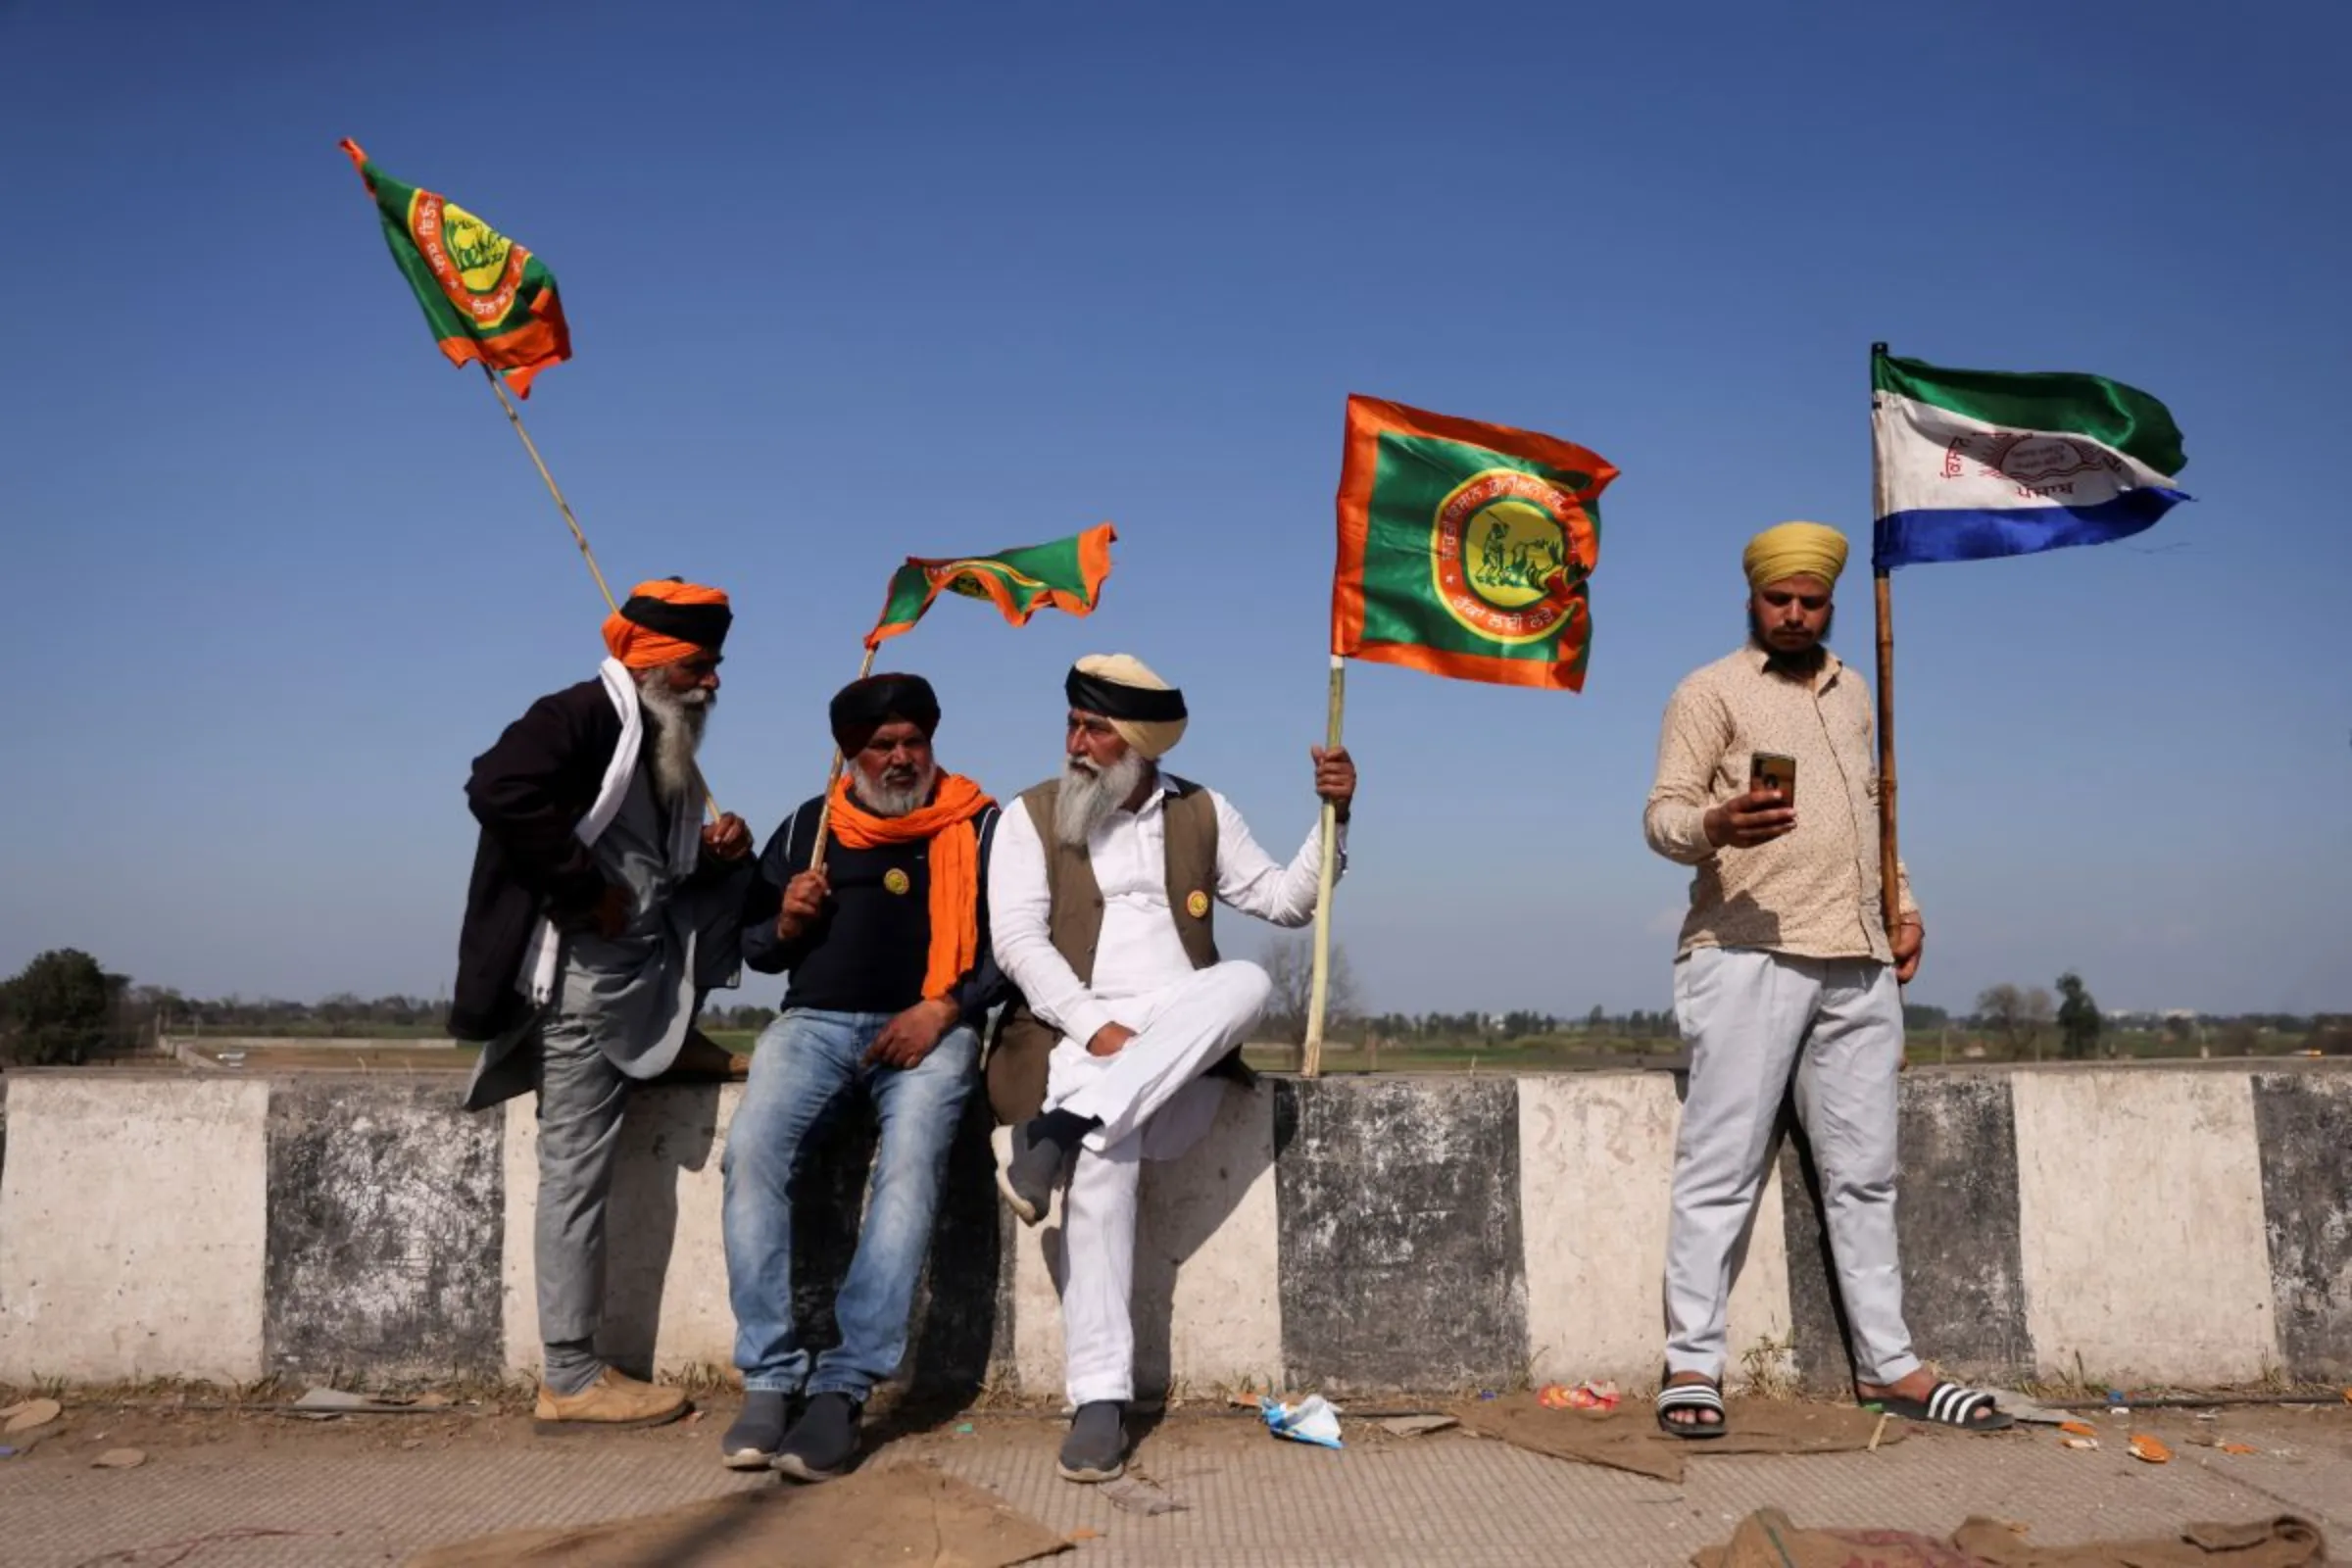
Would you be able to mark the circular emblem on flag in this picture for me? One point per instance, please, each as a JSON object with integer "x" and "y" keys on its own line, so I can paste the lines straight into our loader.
{"x": 895, "y": 880}
{"x": 478, "y": 268}
{"x": 1509, "y": 551}
{"x": 1195, "y": 905}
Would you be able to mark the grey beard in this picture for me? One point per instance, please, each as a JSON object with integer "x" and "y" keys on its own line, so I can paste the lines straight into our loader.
{"x": 1088, "y": 795}
{"x": 674, "y": 723}
{"x": 883, "y": 800}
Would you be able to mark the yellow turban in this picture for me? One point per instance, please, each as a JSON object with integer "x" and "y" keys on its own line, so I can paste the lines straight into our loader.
{"x": 1794, "y": 550}
{"x": 1146, "y": 711}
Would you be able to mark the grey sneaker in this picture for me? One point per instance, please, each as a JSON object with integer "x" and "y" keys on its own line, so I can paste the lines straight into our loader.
{"x": 1025, "y": 1170}
{"x": 751, "y": 1443}
{"x": 823, "y": 1443}
{"x": 1097, "y": 1447}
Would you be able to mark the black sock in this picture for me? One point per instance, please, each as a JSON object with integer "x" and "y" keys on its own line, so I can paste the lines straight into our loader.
{"x": 1061, "y": 1128}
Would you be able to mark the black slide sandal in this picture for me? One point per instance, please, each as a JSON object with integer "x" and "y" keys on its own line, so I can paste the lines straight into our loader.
{"x": 1948, "y": 1404}
{"x": 1693, "y": 1397}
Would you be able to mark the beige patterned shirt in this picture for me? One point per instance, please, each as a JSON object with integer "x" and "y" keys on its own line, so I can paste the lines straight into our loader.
{"x": 1813, "y": 892}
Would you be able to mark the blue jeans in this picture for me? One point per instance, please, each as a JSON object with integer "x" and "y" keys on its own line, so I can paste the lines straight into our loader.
{"x": 807, "y": 1061}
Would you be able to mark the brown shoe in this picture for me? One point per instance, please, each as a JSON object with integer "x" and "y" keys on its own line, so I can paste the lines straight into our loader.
{"x": 613, "y": 1402}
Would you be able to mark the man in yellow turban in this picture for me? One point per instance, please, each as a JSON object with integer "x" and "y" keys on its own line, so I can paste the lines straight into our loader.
{"x": 1767, "y": 786}
{"x": 599, "y": 914}
{"x": 1102, "y": 898}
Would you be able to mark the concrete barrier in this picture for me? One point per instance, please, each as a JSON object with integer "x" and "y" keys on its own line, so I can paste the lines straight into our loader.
{"x": 2123, "y": 1223}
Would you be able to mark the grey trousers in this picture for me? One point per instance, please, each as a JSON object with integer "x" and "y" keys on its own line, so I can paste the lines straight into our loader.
{"x": 581, "y": 1094}
{"x": 1750, "y": 1018}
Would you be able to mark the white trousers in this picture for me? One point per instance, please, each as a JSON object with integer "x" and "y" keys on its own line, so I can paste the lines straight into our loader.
{"x": 1154, "y": 1105}
{"x": 1750, "y": 1018}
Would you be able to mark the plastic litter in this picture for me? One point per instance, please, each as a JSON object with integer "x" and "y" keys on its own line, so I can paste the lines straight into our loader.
{"x": 2148, "y": 1449}
{"x": 1313, "y": 1419}
{"x": 1586, "y": 1395}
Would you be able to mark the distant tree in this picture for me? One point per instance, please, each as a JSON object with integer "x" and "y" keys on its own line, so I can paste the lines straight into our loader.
{"x": 2078, "y": 1020}
{"x": 1289, "y": 963}
{"x": 2017, "y": 1015}
{"x": 1918, "y": 1015}
{"x": 59, "y": 1009}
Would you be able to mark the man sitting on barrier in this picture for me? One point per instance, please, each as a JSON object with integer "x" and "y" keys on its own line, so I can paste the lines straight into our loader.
{"x": 887, "y": 941}
{"x": 1101, "y": 896}
{"x": 600, "y": 912}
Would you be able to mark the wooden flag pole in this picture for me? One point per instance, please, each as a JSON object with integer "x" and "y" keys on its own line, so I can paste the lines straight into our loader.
{"x": 824, "y": 811}
{"x": 1319, "y": 993}
{"x": 578, "y": 536}
{"x": 1890, "y": 886}
{"x": 515, "y": 417}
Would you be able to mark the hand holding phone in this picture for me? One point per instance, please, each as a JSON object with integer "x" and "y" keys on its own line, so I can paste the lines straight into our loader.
{"x": 1765, "y": 812}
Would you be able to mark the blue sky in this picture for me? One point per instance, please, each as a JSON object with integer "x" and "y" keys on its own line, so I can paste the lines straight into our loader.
{"x": 849, "y": 283}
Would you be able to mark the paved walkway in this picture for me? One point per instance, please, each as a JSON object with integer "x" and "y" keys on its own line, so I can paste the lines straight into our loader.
{"x": 215, "y": 1490}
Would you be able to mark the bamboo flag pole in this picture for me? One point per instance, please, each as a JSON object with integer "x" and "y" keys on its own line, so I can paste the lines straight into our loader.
{"x": 578, "y": 536}
{"x": 515, "y": 417}
{"x": 1319, "y": 993}
{"x": 1890, "y": 886}
{"x": 824, "y": 812}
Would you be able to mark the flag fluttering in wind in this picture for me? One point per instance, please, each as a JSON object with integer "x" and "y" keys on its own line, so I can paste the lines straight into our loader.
{"x": 1465, "y": 549}
{"x": 1066, "y": 574}
{"x": 485, "y": 297}
{"x": 1974, "y": 464}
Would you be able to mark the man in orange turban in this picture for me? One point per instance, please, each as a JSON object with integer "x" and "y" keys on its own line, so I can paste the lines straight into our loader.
{"x": 891, "y": 976}
{"x": 599, "y": 914}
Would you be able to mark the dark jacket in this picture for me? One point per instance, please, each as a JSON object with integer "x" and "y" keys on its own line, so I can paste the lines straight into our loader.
{"x": 529, "y": 791}
{"x": 869, "y": 951}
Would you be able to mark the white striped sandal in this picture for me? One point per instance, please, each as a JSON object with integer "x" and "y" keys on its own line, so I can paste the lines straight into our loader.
{"x": 1698, "y": 1398}
{"x": 1948, "y": 1404}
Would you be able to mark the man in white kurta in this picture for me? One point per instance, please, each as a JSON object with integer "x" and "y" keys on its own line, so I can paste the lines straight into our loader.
{"x": 1100, "y": 894}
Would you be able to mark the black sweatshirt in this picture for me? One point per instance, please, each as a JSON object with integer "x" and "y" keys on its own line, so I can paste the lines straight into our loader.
{"x": 869, "y": 950}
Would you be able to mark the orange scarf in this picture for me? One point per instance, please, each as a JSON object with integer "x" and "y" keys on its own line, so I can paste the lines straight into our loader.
{"x": 954, "y": 868}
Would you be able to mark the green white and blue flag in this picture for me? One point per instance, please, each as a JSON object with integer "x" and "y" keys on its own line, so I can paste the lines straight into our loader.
{"x": 1974, "y": 464}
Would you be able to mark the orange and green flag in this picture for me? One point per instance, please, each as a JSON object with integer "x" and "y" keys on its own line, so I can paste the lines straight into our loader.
{"x": 1065, "y": 575}
{"x": 485, "y": 297}
{"x": 1465, "y": 549}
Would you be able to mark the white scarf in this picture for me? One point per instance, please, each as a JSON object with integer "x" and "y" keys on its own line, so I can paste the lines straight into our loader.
{"x": 545, "y": 951}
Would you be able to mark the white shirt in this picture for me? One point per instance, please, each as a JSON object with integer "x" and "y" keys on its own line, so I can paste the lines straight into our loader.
{"x": 1139, "y": 952}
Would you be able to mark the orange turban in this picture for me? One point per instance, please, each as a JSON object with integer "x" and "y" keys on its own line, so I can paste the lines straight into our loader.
{"x": 665, "y": 620}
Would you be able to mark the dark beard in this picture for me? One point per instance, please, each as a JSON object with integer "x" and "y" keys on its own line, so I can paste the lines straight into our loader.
{"x": 1802, "y": 666}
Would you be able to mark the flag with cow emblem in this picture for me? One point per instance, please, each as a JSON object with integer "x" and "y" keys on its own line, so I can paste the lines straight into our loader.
{"x": 1066, "y": 574}
{"x": 484, "y": 297}
{"x": 1465, "y": 549}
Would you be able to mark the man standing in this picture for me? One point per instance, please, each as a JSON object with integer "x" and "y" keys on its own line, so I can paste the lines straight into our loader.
{"x": 1785, "y": 966}
{"x": 1102, "y": 896}
{"x": 888, "y": 946}
{"x": 599, "y": 914}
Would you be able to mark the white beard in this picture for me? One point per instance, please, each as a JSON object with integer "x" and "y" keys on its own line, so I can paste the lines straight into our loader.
{"x": 674, "y": 723}
{"x": 883, "y": 800}
{"x": 1089, "y": 795}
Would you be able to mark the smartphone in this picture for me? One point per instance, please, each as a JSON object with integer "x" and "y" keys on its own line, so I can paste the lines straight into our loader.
{"x": 1770, "y": 770}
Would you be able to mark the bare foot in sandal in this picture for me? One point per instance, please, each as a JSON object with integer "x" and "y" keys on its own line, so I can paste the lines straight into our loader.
{"x": 1692, "y": 1415}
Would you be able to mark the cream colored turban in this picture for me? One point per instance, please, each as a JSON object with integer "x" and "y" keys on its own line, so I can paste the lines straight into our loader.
{"x": 1794, "y": 550}
{"x": 1146, "y": 711}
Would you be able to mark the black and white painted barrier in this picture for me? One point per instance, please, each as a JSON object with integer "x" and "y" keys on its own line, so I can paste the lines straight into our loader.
{"x": 2188, "y": 1226}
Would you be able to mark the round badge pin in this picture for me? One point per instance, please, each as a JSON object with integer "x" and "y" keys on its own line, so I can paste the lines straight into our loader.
{"x": 1195, "y": 905}
{"x": 895, "y": 880}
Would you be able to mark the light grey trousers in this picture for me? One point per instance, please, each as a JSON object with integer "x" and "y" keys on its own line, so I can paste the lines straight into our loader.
{"x": 581, "y": 1094}
{"x": 1750, "y": 1018}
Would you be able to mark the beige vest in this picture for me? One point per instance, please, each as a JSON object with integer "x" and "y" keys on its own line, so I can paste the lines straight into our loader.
{"x": 1017, "y": 1059}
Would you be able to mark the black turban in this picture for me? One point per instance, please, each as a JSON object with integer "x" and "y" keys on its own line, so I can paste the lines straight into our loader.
{"x": 863, "y": 707}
